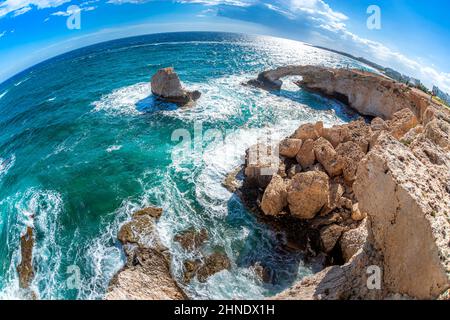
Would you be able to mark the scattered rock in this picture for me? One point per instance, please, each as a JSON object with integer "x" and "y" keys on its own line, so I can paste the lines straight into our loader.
{"x": 275, "y": 197}
{"x": 327, "y": 157}
{"x": 306, "y": 156}
{"x": 308, "y": 193}
{"x": 191, "y": 239}
{"x": 146, "y": 274}
{"x": 349, "y": 156}
{"x": 308, "y": 131}
{"x": 167, "y": 85}
{"x": 330, "y": 236}
{"x": 213, "y": 264}
{"x": 293, "y": 170}
{"x": 353, "y": 240}
{"x": 290, "y": 147}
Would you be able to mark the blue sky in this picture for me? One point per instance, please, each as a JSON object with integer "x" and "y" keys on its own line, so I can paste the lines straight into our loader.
{"x": 414, "y": 37}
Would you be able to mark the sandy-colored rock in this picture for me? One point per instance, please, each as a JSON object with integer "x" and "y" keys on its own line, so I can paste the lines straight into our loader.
{"x": 349, "y": 154}
{"x": 353, "y": 240}
{"x": 329, "y": 236}
{"x": 360, "y": 133}
{"x": 290, "y": 147}
{"x": 275, "y": 197}
{"x": 402, "y": 121}
{"x": 408, "y": 204}
{"x": 167, "y": 85}
{"x": 191, "y": 239}
{"x": 357, "y": 214}
{"x": 25, "y": 268}
{"x": 308, "y": 131}
{"x": 308, "y": 193}
{"x": 336, "y": 134}
{"x": 378, "y": 124}
{"x": 306, "y": 156}
{"x": 327, "y": 157}
{"x": 146, "y": 274}
{"x": 293, "y": 170}
{"x": 335, "y": 194}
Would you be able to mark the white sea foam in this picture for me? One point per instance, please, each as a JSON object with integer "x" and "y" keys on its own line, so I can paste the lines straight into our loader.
{"x": 113, "y": 148}
{"x": 3, "y": 94}
{"x": 123, "y": 101}
{"x": 6, "y": 165}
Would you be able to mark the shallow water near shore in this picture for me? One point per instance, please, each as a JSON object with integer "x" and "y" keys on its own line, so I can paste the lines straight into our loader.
{"x": 83, "y": 144}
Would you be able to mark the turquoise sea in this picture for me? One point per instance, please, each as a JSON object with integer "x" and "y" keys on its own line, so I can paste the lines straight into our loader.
{"x": 83, "y": 144}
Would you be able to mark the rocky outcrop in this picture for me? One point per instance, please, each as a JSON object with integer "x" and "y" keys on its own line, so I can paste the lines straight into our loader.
{"x": 25, "y": 268}
{"x": 166, "y": 85}
{"x": 204, "y": 268}
{"x": 408, "y": 203}
{"x": 378, "y": 193}
{"x": 368, "y": 93}
{"x": 147, "y": 273}
{"x": 191, "y": 239}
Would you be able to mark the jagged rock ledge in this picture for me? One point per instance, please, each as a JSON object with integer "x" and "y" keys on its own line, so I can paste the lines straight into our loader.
{"x": 147, "y": 273}
{"x": 377, "y": 194}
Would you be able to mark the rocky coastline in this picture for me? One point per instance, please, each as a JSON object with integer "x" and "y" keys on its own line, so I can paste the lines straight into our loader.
{"x": 376, "y": 193}
{"x": 363, "y": 197}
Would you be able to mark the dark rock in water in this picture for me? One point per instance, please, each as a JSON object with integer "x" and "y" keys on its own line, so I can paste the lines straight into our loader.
{"x": 213, "y": 264}
{"x": 191, "y": 239}
{"x": 25, "y": 268}
{"x": 147, "y": 274}
{"x": 166, "y": 85}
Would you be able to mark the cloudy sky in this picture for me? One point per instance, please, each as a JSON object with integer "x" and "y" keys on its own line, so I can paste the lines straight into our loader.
{"x": 414, "y": 37}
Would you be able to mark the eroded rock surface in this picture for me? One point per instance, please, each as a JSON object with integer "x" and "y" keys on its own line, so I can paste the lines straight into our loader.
{"x": 147, "y": 273}
{"x": 167, "y": 85}
{"x": 25, "y": 268}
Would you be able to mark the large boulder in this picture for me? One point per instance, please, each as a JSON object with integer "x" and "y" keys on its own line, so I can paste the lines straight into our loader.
{"x": 210, "y": 265}
{"x": 329, "y": 236}
{"x": 308, "y": 193}
{"x": 408, "y": 204}
{"x": 327, "y": 157}
{"x": 147, "y": 273}
{"x": 191, "y": 239}
{"x": 309, "y": 131}
{"x": 306, "y": 156}
{"x": 275, "y": 196}
{"x": 290, "y": 147}
{"x": 167, "y": 85}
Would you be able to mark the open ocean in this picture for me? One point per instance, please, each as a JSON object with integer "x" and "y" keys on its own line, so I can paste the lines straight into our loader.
{"x": 83, "y": 144}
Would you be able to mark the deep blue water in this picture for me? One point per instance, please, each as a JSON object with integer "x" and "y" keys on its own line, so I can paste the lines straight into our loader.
{"x": 83, "y": 144}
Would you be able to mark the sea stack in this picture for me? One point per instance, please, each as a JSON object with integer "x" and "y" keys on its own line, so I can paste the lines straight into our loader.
{"x": 166, "y": 85}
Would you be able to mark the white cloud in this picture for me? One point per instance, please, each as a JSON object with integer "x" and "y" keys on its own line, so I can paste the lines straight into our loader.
{"x": 18, "y": 7}
{"x": 2, "y": 33}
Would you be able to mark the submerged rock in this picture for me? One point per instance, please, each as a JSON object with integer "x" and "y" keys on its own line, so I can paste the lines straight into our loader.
{"x": 203, "y": 269}
{"x": 191, "y": 239}
{"x": 167, "y": 85}
{"x": 25, "y": 268}
{"x": 146, "y": 274}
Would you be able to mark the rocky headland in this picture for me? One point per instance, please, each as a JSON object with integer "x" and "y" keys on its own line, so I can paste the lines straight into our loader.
{"x": 371, "y": 193}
